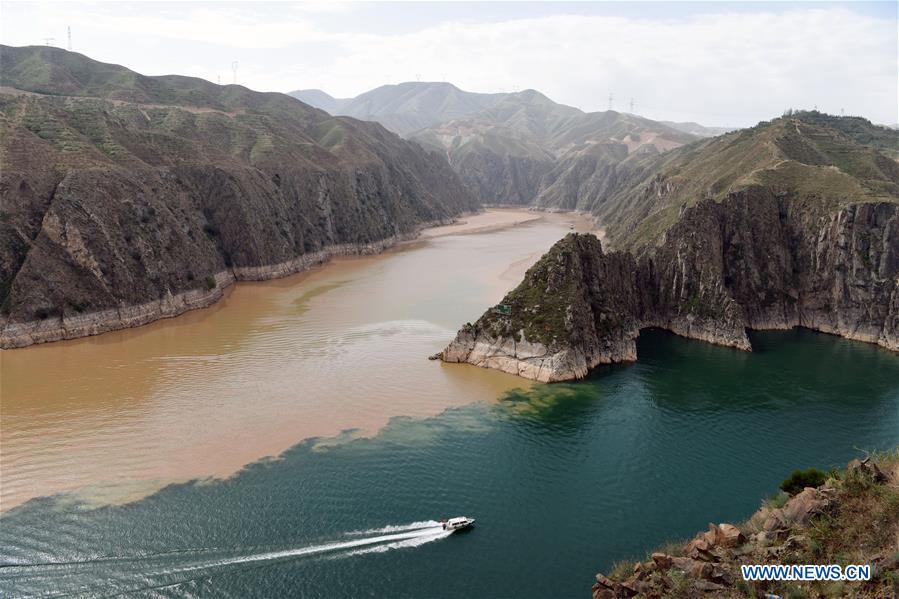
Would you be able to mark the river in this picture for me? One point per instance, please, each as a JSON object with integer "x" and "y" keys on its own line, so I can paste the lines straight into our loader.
{"x": 142, "y": 459}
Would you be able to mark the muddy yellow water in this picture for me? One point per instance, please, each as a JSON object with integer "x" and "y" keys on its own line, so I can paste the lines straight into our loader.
{"x": 342, "y": 347}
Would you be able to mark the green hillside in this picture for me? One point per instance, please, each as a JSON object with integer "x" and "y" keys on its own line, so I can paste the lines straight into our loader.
{"x": 806, "y": 157}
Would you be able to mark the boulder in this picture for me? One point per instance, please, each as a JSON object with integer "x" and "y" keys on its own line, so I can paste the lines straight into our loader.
{"x": 684, "y": 564}
{"x": 701, "y": 570}
{"x": 640, "y": 570}
{"x": 606, "y": 582}
{"x": 600, "y": 592}
{"x": 700, "y": 544}
{"x": 662, "y": 560}
{"x": 800, "y": 508}
{"x": 730, "y": 536}
{"x": 710, "y": 536}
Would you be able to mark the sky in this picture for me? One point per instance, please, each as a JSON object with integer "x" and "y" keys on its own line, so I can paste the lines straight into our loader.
{"x": 717, "y": 63}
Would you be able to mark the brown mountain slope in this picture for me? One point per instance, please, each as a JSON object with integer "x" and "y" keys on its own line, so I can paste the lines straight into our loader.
{"x": 147, "y": 199}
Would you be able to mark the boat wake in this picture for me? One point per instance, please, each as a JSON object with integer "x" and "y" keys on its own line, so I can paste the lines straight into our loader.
{"x": 396, "y": 528}
{"x": 401, "y": 536}
{"x": 405, "y": 543}
{"x": 131, "y": 574}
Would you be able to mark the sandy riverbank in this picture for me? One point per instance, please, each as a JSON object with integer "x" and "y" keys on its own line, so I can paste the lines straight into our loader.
{"x": 492, "y": 219}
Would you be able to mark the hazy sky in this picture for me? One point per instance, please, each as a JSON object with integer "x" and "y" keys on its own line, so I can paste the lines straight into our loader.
{"x": 718, "y": 63}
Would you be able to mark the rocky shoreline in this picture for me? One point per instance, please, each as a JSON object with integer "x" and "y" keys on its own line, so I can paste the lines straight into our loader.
{"x": 818, "y": 525}
{"x": 749, "y": 262}
{"x": 23, "y": 334}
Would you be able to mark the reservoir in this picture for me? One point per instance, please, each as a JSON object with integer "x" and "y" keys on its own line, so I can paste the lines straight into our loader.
{"x": 294, "y": 440}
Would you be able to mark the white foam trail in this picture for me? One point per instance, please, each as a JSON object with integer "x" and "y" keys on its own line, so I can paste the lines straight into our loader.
{"x": 414, "y": 542}
{"x": 395, "y": 528}
{"x": 420, "y": 535}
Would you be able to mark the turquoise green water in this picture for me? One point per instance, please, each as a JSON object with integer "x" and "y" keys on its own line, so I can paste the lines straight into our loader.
{"x": 563, "y": 479}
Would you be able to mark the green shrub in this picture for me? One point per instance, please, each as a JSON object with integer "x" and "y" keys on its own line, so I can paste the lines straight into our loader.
{"x": 210, "y": 282}
{"x": 801, "y": 479}
{"x": 779, "y": 500}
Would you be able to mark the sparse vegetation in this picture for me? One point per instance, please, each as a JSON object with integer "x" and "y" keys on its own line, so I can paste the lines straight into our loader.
{"x": 854, "y": 520}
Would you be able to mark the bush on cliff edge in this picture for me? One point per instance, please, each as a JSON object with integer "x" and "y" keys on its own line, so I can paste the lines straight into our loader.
{"x": 801, "y": 479}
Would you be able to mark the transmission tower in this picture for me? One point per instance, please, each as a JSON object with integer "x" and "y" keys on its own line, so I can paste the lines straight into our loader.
{"x": 610, "y": 100}
{"x": 632, "y": 106}
{"x": 234, "y": 71}
{"x": 69, "y": 34}
{"x": 47, "y": 40}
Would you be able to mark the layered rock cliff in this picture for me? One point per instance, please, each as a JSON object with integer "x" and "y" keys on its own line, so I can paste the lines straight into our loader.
{"x": 128, "y": 198}
{"x": 765, "y": 256}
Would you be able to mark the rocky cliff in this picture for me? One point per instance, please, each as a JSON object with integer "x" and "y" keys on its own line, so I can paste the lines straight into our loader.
{"x": 128, "y": 198}
{"x": 786, "y": 248}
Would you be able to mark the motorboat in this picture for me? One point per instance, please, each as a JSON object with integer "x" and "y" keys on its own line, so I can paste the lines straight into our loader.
{"x": 457, "y": 523}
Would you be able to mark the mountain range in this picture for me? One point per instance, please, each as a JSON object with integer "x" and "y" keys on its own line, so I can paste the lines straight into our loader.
{"x": 127, "y": 198}
{"x": 513, "y": 148}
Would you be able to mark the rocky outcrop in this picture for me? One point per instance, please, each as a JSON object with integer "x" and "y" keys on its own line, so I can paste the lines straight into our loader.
{"x": 752, "y": 261}
{"x": 818, "y": 525}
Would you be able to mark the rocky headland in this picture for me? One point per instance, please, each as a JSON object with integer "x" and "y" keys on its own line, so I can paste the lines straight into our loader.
{"x": 795, "y": 244}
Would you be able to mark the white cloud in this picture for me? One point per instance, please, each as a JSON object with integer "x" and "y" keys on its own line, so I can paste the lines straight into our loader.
{"x": 722, "y": 67}
{"x": 716, "y": 68}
